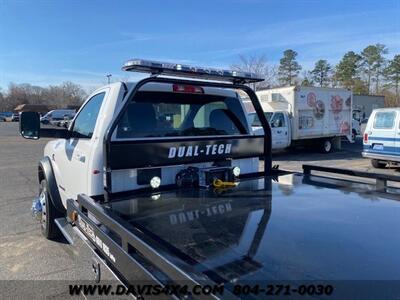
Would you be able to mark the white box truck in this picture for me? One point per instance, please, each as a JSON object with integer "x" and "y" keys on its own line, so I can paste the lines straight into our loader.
{"x": 306, "y": 116}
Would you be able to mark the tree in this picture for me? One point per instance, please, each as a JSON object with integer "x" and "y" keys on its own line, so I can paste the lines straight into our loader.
{"x": 306, "y": 80}
{"x": 289, "y": 68}
{"x": 392, "y": 74}
{"x": 1, "y": 101}
{"x": 259, "y": 66}
{"x": 346, "y": 73}
{"x": 373, "y": 63}
{"x": 321, "y": 72}
{"x": 360, "y": 87}
{"x": 59, "y": 96}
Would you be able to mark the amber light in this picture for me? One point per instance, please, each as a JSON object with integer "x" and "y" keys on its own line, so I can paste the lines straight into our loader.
{"x": 73, "y": 216}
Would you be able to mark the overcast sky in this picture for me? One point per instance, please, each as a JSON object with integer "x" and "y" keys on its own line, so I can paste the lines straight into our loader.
{"x": 47, "y": 42}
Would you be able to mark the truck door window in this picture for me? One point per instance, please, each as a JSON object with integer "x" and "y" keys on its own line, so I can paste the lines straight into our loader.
{"x": 86, "y": 120}
{"x": 162, "y": 114}
{"x": 278, "y": 120}
{"x": 255, "y": 121}
{"x": 384, "y": 120}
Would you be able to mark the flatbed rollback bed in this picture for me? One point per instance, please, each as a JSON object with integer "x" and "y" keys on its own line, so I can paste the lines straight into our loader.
{"x": 152, "y": 240}
{"x": 270, "y": 228}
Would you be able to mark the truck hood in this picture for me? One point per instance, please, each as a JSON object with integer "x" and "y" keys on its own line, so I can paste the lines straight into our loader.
{"x": 293, "y": 227}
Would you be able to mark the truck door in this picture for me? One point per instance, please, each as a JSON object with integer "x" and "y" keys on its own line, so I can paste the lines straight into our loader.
{"x": 397, "y": 135}
{"x": 74, "y": 162}
{"x": 382, "y": 135}
{"x": 280, "y": 131}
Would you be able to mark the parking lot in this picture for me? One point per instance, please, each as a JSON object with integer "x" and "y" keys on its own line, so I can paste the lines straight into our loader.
{"x": 26, "y": 255}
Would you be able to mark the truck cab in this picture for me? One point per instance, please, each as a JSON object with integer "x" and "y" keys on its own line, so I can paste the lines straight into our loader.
{"x": 356, "y": 122}
{"x": 130, "y": 136}
{"x": 280, "y": 127}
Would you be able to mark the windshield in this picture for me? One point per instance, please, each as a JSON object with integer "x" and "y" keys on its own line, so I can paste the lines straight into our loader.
{"x": 255, "y": 121}
{"x": 163, "y": 114}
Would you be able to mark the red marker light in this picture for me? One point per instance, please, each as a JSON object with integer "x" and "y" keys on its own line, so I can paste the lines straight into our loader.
{"x": 95, "y": 172}
{"x": 190, "y": 89}
{"x": 365, "y": 137}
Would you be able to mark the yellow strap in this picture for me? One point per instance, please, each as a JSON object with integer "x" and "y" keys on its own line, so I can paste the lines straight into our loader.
{"x": 218, "y": 183}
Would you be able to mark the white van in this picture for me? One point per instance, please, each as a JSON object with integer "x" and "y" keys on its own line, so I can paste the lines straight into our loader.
{"x": 382, "y": 137}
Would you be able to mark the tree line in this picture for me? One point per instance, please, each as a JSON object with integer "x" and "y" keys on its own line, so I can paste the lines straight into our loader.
{"x": 55, "y": 96}
{"x": 367, "y": 72}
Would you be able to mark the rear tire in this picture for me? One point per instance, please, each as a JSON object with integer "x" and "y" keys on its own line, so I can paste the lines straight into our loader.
{"x": 49, "y": 213}
{"x": 326, "y": 146}
{"x": 378, "y": 164}
{"x": 353, "y": 134}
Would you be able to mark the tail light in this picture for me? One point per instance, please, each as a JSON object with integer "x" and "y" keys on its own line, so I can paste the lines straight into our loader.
{"x": 365, "y": 137}
{"x": 190, "y": 89}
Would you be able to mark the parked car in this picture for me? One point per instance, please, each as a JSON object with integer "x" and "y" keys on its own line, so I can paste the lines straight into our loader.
{"x": 15, "y": 117}
{"x": 66, "y": 121}
{"x": 6, "y": 116}
{"x": 381, "y": 137}
{"x": 55, "y": 116}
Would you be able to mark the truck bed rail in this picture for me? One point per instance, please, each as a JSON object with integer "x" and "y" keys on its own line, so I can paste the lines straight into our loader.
{"x": 381, "y": 179}
{"x": 120, "y": 256}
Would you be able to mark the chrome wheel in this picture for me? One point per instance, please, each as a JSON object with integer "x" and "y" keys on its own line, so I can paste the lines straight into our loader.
{"x": 327, "y": 146}
{"x": 43, "y": 198}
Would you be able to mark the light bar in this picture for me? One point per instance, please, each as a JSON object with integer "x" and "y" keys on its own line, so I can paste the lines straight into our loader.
{"x": 179, "y": 70}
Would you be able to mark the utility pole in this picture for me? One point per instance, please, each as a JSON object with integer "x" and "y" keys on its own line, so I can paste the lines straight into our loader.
{"x": 108, "y": 78}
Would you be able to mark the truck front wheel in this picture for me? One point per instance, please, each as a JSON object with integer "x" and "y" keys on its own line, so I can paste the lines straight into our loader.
{"x": 49, "y": 213}
{"x": 378, "y": 164}
{"x": 326, "y": 146}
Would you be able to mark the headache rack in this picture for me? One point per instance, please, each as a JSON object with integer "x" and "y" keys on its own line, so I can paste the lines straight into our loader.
{"x": 205, "y": 77}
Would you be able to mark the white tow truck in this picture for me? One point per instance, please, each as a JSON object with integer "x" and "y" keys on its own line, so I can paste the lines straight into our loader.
{"x": 161, "y": 178}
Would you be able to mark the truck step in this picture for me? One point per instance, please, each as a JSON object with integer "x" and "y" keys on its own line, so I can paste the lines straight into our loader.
{"x": 66, "y": 229}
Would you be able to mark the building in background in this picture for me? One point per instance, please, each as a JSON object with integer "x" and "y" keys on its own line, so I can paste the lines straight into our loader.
{"x": 40, "y": 108}
{"x": 365, "y": 104}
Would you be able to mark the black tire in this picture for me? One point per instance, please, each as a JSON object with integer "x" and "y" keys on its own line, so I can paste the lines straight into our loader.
{"x": 326, "y": 146}
{"x": 378, "y": 164}
{"x": 353, "y": 134}
{"x": 49, "y": 214}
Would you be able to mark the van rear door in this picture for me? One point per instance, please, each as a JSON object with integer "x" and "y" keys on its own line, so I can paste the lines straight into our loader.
{"x": 382, "y": 135}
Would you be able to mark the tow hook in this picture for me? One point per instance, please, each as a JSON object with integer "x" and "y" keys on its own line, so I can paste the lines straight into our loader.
{"x": 36, "y": 209}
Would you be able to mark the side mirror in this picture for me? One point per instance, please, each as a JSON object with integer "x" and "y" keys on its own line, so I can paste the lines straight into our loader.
{"x": 29, "y": 125}
{"x": 30, "y": 128}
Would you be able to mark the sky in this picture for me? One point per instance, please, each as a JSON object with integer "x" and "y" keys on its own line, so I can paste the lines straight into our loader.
{"x": 46, "y": 42}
